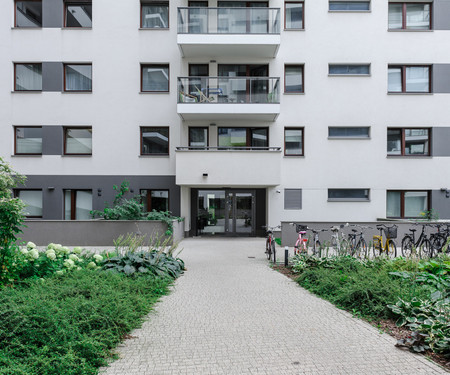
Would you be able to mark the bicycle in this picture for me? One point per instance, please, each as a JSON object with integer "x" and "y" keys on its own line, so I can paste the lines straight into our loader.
{"x": 389, "y": 247}
{"x": 339, "y": 243}
{"x": 409, "y": 242}
{"x": 439, "y": 239}
{"x": 301, "y": 241}
{"x": 316, "y": 242}
{"x": 358, "y": 246}
{"x": 270, "y": 241}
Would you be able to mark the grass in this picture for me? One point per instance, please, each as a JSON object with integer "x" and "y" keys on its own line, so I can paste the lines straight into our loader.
{"x": 69, "y": 324}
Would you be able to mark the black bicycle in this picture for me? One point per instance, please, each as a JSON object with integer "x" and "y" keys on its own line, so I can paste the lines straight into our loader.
{"x": 358, "y": 245}
{"x": 439, "y": 239}
{"x": 315, "y": 240}
{"x": 409, "y": 242}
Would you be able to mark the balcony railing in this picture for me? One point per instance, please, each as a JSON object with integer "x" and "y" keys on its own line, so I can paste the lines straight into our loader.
{"x": 228, "y": 148}
{"x": 246, "y": 90}
{"x": 228, "y": 20}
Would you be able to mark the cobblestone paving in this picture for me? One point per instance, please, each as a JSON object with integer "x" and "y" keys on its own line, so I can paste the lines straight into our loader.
{"x": 231, "y": 314}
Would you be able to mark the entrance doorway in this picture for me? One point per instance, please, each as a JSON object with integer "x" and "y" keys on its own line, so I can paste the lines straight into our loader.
{"x": 226, "y": 212}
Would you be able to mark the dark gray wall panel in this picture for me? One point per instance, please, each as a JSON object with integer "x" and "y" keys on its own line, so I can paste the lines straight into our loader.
{"x": 53, "y": 198}
{"x": 440, "y": 203}
{"x": 440, "y": 141}
{"x": 441, "y": 14}
{"x": 52, "y": 140}
{"x": 52, "y": 13}
{"x": 52, "y": 76}
{"x": 441, "y": 78}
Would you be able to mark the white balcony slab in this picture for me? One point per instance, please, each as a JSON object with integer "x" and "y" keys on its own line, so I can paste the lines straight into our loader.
{"x": 267, "y": 112}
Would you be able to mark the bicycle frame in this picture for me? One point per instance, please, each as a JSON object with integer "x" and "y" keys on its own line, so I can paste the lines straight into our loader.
{"x": 378, "y": 242}
{"x": 300, "y": 243}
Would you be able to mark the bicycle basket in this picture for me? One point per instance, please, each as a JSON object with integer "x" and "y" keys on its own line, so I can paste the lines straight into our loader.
{"x": 391, "y": 232}
{"x": 300, "y": 227}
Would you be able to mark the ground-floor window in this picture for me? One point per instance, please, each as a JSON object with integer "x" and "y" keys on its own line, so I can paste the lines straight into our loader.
{"x": 32, "y": 200}
{"x": 155, "y": 200}
{"x": 407, "y": 204}
{"x": 77, "y": 204}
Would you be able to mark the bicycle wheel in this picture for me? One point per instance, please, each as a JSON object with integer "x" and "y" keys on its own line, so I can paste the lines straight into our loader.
{"x": 376, "y": 248}
{"x": 361, "y": 249}
{"x": 353, "y": 246}
{"x": 407, "y": 246}
{"x": 268, "y": 249}
{"x": 437, "y": 244}
{"x": 425, "y": 248}
{"x": 392, "y": 248}
{"x": 272, "y": 250}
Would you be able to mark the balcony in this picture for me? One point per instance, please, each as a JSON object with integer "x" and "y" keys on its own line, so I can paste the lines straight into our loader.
{"x": 231, "y": 167}
{"x": 228, "y": 98}
{"x": 237, "y": 32}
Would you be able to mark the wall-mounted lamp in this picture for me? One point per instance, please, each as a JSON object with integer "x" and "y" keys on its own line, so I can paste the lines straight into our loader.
{"x": 99, "y": 192}
{"x": 131, "y": 190}
{"x": 278, "y": 191}
{"x": 446, "y": 191}
{"x": 205, "y": 174}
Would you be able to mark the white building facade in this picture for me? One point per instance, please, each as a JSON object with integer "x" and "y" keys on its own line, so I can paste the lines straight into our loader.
{"x": 232, "y": 114}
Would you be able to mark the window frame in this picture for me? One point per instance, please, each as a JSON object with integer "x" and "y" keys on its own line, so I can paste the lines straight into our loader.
{"x": 143, "y": 2}
{"x": 146, "y": 65}
{"x": 403, "y": 78}
{"x": 207, "y": 137}
{"x": 75, "y": 2}
{"x": 349, "y": 74}
{"x": 15, "y": 127}
{"x": 73, "y": 200}
{"x": 302, "y": 128}
{"x": 16, "y": 195}
{"x": 142, "y": 140}
{"x": 348, "y": 199}
{"x": 303, "y": 15}
{"x": 27, "y": 27}
{"x": 149, "y": 198}
{"x": 403, "y": 142}
{"x": 65, "y": 128}
{"x": 404, "y": 15}
{"x": 285, "y": 199}
{"x": 303, "y": 78}
{"x": 15, "y": 75}
{"x": 349, "y": 10}
{"x": 349, "y": 136}
{"x": 78, "y": 64}
{"x": 248, "y": 136}
{"x": 402, "y": 203}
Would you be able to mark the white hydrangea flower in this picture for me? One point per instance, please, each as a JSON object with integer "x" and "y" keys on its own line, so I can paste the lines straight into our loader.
{"x": 24, "y": 251}
{"x": 68, "y": 263}
{"x": 98, "y": 258}
{"x": 77, "y": 250}
{"x": 91, "y": 265}
{"x": 33, "y": 254}
{"x": 51, "y": 246}
{"x": 78, "y": 268}
{"x": 51, "y": 254}
{"x": 59, "y": 272}
{"x": 74, "y": 258}
{"x": 31, "y": 245}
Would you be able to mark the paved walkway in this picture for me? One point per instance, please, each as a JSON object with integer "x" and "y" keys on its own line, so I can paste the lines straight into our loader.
{"x": 231, "y": 314}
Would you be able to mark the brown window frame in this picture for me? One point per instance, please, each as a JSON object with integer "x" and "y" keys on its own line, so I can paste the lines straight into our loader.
{"x": 303, "y": 15}
{"x": 303, "y": 79}
{"x": 189, "y": 136}
{"x": 143, "y": 2}
{"x": 403, "y": 142}
{"x": 65, "y": 128}
{"x": 149, "y": 198}
{"x": 75, "y": 2}
{"x": 92, "y": 77}
{"x": 15, "y": 75}
{"x": 15, "y": 15}
{"x": 404, "y": 14}
{"x": 155, "y": 64}
{"x": 403, "y": 72}
{"x": 402, "y": 203}
{"x": 248, "y": 135}
{"x": 73, "y": 201}
{"x": 142, "y": 139}
{"x": 303, "y": 140}
{"x": 15, "y": 140}
{"x": 16, "y": 195}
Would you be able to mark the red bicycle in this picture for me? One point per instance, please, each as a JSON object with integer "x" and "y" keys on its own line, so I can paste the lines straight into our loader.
{"x": 300, "y": 244}
{"x": 270, "y": 241}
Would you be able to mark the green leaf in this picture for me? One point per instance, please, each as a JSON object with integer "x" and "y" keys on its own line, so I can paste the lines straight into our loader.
{"x": 436, "y": 295}
{"x": 129, "y": 270}
{"x": 400, "y": 321}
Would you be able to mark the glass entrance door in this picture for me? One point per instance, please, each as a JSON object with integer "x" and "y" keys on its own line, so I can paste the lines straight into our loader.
{"x": 240, "y": 213}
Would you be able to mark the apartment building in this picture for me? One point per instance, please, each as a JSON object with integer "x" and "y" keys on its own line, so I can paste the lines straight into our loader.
{"x": 232, "y": 114}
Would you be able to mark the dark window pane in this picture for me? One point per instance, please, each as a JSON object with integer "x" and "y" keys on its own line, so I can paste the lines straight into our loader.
{"x": 348, "y": 132}
{"x": 293, "y": 141}
{"x": 294, "y": 15}
{"x": 155, "y": 141}
{"x": 349, "y": 5}
{"x": 198, "y": 137}
{"x": 394, "y": 142}
{"x": 232, "y": 137}
{"x": 155, "y": 78}
{"x": 348, "y": 194}
{"x": 416, "y": 141}
{"x": 259, "y": 138}
{"x": 28, "y": 14}
{"x": 28, "y": 140}
{"x": 349, "y": 69}
{"x": 28, "y": 77}
{"x": 79, "y": 15}
{"x": 293, "y": 78}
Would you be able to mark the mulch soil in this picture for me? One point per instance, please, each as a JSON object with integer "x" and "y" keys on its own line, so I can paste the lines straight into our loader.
{"x": 387, "y": 326}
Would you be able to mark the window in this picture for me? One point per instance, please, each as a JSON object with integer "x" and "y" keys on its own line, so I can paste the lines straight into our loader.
{"x": 293, "y": 78}
{"x": 155, "y": 15}
{"x": 198, "y": 137}
{"x": 28, "y": 13}
{"x": 78, "y": 141}
{"x": 349, "y": 69}
{"x": 155, "y": 141}
{"x": 243, "y": 137}
{"x": 406, "y": 204}
{"x": 292, "y": 199}
{"x": 32, "y": 200}
{"x": 409, "y": 16}
{"x": 293, "y": 141}
{"x": 77, "y": 204}
{"x": 348, "y": 195}
{"x": 77, "y": 77}
{"x": 155, "y": 78}
{"x": 349, "y": 6}
{"x": 404, "y": 79}
{"x": 157, "y": 200}
{"x": 28, "y": 140}
{"x": 411, "y": 141}
{"x": 78, "y": 14}
{"x": 348, "y": 132}
{"x": 28, "y": 77}
{"x": 293, "y": 15}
